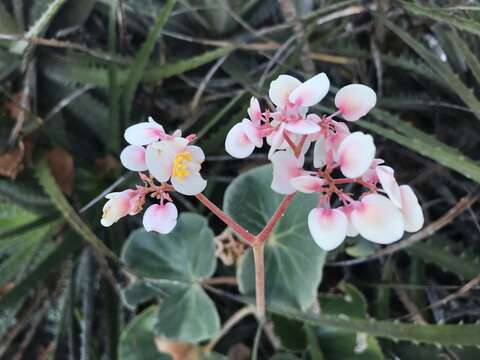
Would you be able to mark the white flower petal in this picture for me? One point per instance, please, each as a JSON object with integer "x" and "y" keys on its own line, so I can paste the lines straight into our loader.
{"x": 277, "y": 140}
{"x": 160, "y": 218}
{"x": 355, "y": 101}
{"x": 389, "y": 184}
{"x": 281, "y": 88}
{"x": 311, "y": 91}
{"x": 377, "y": 219}
{"x": 307, "y": 184}
{"x": 237, "y": 143}
{"x": 197, "y": 153}
{"x": 302, "y": 127}
{"x": 328, "y": 227}
{"x": 192, "y": 184}
{"x": 144, "y": 133}
{"x": 411, "y": 209}
{"x": 159, "y": 158}
{"x": 133, "y": 158}
{"x": 355, "y": 154}
{"x": 351, "y": 230}
{"x": 319, "y": 153}
{"x": 285, "y": 168}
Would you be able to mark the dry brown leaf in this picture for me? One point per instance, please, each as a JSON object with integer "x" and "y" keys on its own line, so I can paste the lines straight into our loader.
{"x": 12, "y": 106}
{"x": 11, "y": 162}
{"x": 177, "y": 350}
{"x": 63, "y": 170}
{"x": 105, "y": 165}
{"x": 239, "y": 352}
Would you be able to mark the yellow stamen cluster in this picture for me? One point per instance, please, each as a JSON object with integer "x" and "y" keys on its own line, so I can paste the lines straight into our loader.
{"x": 180, "y": 169}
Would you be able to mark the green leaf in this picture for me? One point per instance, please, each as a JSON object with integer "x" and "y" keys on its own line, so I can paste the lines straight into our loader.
{"x": 40, "y": 25}
{"x": 442, "y": 335}
{"x": 188, "y": 315}
{"x": 470, "y": 58}
{"x": 137, "y": 339}
{"x": 141, "y": 59}
{"x": 460, "y": 22}
{"x": 8, "y": 24}
{"x": 442, "y": 69}
{"x": 426, "y": 145}
{"x": 293, "y": 263}
{"x": 439, "y": 252}
{"x": 186, "y": 255}
{"x": 174, "y": 266}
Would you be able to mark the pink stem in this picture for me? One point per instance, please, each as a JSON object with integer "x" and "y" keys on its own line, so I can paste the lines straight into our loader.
{"x": 262, "y": 236}
{"x": 225, "y": 218}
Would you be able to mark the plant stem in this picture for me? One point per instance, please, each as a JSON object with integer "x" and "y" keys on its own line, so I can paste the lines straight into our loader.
{"x": 262, "y": 236}
{"x": 259, "y": 279}
{"x": 225, "y": 218}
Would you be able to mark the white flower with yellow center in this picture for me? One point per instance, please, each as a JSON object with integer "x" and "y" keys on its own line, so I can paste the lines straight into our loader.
{"x": 173, "y": 159}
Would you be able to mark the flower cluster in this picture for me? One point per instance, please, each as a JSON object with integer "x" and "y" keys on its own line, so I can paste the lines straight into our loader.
{"x": 340, "y": 159}
{"x": 171, "y": 161}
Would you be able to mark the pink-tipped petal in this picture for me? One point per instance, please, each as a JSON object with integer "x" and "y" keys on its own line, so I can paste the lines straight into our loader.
{"x": 355, "y": 101}
{"x": 377, "y": 219}
{"x": 307, "y": 184}
{"x": 133, "y": 158}
{"x": 281, "y": 88}
{"x": 192, "y": 184}
{"x": 144, "y": 133}
{"x": 328, "y": 227}
{"x": 302, "y": 127}
{"x": 311, "y": 91}
{"x": 120, "y": 204}
{"x": 355, "y": 154}
{"x": 389, "y": 184}
{"x": 276, "y": 140}
{"x": 237, "y": 143}
{"x": 254, "y": 111}
{"x": 411, "y": 209}
{"x": 319, "y": 153}
{"x": 285, "y": 167}
{"x": 160, "y": 218}
{"x": 252, "y": 133}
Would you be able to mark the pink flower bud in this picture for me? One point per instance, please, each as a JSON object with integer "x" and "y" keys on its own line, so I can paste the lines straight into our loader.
{"x": 377, "y": 219}
{"x": 355, "y": 154}
{"x": 355, "y": 101}
{"x": 307, "y": 184}
{"x": 328, "y": 227}
{"x": 160, "y": 218}
{"x": 254, "y": 111}
{"x": 411, "y": 210}
{"x": 119, "y": 205}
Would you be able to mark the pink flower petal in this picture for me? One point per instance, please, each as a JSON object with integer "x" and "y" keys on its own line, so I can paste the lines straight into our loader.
{"x": 281, "y": 88}
{"x": 302, "y": 127}
{"x": 276, "y": 140}
{"x": 311, "y": 91}
{"x": 160, "y": 218}
{"x": 254, "y": 111}
{"x": 133, "y": 158}
{"x": 355, "y": 154}
{"x": 119, "y": 205}
{"x": 355, "y": 101}
{"x": 197, "y": 153}
{"x": 144, "y": 133}
{"x": 411, "y": 209}
{"x": 389, "y": 184}
{"x": 237, "y": 142}
{"x": 252, "y": 132}
{"x": 351, "y": 230}
{"x": 328, "y": 227}
{"x": 377, "y": 219}
{"x": 307, "y": 184}
{"x": 285, "y": 168}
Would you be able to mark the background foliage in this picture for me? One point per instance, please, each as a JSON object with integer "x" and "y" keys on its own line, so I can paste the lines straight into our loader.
{"x": 75, "y": 74}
